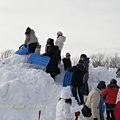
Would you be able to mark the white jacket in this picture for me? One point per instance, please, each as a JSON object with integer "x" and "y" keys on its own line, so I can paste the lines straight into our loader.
{"x": 60, "y": 42}
{"x": 63, "y": 111}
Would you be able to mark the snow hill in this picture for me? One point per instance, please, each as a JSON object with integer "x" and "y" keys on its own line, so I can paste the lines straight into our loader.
{"x": 25, "y": 89}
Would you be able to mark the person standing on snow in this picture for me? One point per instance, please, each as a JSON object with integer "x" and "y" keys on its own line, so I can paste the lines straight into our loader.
{"x": 93, "y": 101}
{"x": 31, "y": 40}
{"x": 86, "y": 76}
{"x": 60, "y": 42}
{"x": 51, "y": 52}
{"x": 77, "y": 81}
{"x": 66, "y": 61}
{"x": 117, "y": 111}
{"x": 110, "y": 95}
{"x": 63, "y": 108}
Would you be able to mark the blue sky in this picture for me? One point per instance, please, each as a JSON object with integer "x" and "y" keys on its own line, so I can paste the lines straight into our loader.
{"x": 91, "y": 26}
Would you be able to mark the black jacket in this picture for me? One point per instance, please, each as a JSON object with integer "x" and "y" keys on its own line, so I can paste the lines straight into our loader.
{"x": 67, "y": 63}
{"x": 77, "y": 78}
{"x": 52, "y": 66}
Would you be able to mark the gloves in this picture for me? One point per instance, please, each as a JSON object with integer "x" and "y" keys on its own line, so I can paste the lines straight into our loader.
{"x": 77, "y": 113}
{"x": 95, "y": 118}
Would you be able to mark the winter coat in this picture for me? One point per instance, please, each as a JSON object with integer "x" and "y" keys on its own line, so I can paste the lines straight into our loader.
{"x": 67, "y": 62}
{"x": 77, "y": 77}
{"x": 63, "y": 111}
{"x": 60, "y": 42}
{"x": 92, "y": 102}
{"x": 31, "y": 38}
{"x": 110, "y": 93}
{"x": 117, "y": 111}
{"x": 52, "y": 66}
{"x": 86, "y": 65}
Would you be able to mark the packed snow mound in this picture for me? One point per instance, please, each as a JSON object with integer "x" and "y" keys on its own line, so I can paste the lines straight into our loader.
{"x": 25, "y": 87}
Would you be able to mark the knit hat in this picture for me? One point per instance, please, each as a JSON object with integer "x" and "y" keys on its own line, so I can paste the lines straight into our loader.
{"x": 113, "y": 81}
{"x": 68, "y": 54}
{"x": 50, "y": 41}
{"x": 65, "y": 95}
{"x": 101, "y": 85}
{"x": 59, "y": 33}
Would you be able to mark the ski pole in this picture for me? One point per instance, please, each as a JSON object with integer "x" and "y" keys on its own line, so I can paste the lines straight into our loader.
{"x": 39, "y": 113}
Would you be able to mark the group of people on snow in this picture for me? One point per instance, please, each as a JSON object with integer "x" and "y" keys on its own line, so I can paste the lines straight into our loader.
{"x": 94, "y": 102}
{"x": 79, "y": 82}
{"x": 51, "y": 50}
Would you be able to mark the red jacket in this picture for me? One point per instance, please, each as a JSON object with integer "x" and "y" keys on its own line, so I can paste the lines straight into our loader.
{"x": 110, "y": 94}
{"x": 117, "y": 111}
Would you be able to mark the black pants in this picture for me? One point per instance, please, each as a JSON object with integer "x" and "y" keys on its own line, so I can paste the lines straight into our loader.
{"x": 32, "y": 47}
{"x": 110, "y": 111}
{"x": 78, "y": 90}
{"x": 59, "y": 55}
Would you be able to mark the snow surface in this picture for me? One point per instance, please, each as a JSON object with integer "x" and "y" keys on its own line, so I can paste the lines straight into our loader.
{"x": 26, "y": 88}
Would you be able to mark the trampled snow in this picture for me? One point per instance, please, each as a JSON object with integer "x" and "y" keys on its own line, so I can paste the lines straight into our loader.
{"x": 25, "y": 89}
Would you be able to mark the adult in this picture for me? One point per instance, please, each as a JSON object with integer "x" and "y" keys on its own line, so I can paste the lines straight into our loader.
{"x": 93, "y": 101}
{"x": 86, "y": 76}
{"x": 117, "y": 111}
{"x": 110, "y": 94}
{"x": 60, "y": 42}
{"x": 31, "y": 40}
{"x": 77, "y": 81}
{"x": 51, "y": 52}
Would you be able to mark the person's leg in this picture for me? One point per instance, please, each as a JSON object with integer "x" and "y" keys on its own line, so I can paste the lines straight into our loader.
{"x": 32, "y": 47}
{"x": 112, "y": 114}
{"x": 80, "y": 93}
{"x": 74, "y": 92}
{"x": 59, "y": 56}
{"x": 108, "y": 114}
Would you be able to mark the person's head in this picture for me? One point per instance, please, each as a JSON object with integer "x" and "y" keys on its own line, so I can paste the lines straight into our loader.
{"x": 83, "y": 56}
{"x": 28, "y": 30}
{"x": 66, "y": 96}
{"x": 101, "y": 85}
{"x": 50, "y": 41}
{"x": 113, "y": 81}
{"x": 68, "y": 54}
{"x": 59, "y": 33}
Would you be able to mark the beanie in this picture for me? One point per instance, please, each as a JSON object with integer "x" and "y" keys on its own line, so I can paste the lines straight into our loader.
{"x": 68, "y": 54}
{"x": 101, "y": 85}
{"x": 50, "y": 41}
{"x": 59, "y": 33}
{"x": 65, "y": 95}
{"x": 113, "y": 81}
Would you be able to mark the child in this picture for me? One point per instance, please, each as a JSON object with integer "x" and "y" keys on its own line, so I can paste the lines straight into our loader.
{"x": 63, "y": 108}
{"x": 110, "y": 95}
{"x": 67, "y": 61}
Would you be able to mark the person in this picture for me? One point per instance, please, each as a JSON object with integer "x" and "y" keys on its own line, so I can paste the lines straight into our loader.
{"x": 110, "y": 95}
{"x": 93, "y": 101}
{"x": 117, "y": 111}
{"x": 86, "y": 76}
{"x": 31, "y": 40}
{"x": 63, "y": 108}
{"x": 60, "y": 42}
{"x": 51, "y": 52}
{"x": 77, "y": 81}
{"x": 66, "y": 61}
